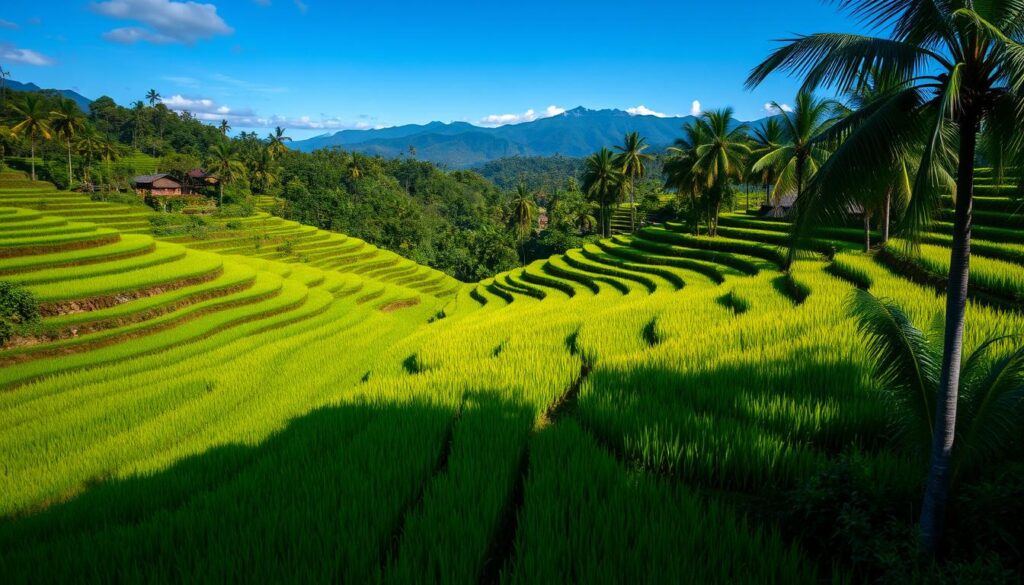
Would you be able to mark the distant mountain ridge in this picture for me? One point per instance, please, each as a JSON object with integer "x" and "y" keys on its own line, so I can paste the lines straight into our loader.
{"x": 81, "y": 101}
{"x": 574, "y": 133}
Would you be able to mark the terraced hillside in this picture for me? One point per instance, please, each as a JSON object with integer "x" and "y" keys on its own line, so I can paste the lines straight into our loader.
{"x": 262, "y": 236}
{"x": 642, "y": 409}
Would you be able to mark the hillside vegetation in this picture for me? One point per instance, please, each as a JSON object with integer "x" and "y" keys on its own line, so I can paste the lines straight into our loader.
{"x": 645, "y": 405}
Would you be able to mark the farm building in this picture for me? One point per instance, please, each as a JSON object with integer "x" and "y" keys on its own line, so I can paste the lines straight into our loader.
{"x": 158, "y": 184}
{"x": 162, "y": 184}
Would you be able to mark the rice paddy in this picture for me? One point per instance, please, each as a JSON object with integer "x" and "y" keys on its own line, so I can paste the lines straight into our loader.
{"x": 264, "y": 401}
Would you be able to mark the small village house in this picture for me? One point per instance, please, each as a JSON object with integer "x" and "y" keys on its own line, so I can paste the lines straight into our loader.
{"x": 163, "y": 184}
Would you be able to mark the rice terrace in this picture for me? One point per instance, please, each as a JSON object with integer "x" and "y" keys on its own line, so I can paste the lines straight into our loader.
{"x": 748, "y": 344}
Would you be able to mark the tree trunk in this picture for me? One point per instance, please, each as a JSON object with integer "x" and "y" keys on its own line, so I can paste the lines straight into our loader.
{"x": 933, "y": 508}
{"x": 69, "y": 162}
{"x": 887, "y": 217}
{"x": 632, "y": 210}
{"x": 220, "y": 184}
{"x": 32, "y": 143}
{"x": 867, "y": 231}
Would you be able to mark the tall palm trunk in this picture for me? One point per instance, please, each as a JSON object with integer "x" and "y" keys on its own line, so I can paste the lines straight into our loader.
{"x": 632, "y": 210}
{"x": 220, "y": 185}
{"x": 69, "y": 161}
{"x": 867, "y": 231}
{"x": 887, "y": 217}
{"x": 933, "y": 508}
{"x": 32, "y": 146}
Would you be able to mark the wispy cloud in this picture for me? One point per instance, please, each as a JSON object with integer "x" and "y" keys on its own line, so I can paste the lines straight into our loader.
{"x": 162, "y": 21}
{"x": 250, "y": 86}
{"x": 302, "y": 6}
{"x": 643, "y": 110}
{"x": 181, "y": 80}
{"x": 772, "y": 110}
{"x": 530, "y": 115}
{"x": 9, "y": 52}
{"x": 8, "y": 24}
{"x": 209, "y": 110}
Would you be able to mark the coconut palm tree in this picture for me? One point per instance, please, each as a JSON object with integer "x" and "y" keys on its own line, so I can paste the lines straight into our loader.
{"x": 263, "y": 169}
{"x": 718, "y": 157}
{"x": 67, "y": 122}
{"x": 767, "y": 138}
{"x": 906, "y": 362}
{"x": 139, "y": 110}
{"x": 679, "y": 171}
{"x": 275, "y": 142}
{"x": 32, "y": 111}
{"x": 89, "y": 144}
{"x": 153, "y": 97}
{"x": 960, "y": 65}
{"x": 524, "y": 215}
{"x": 797, "y": 159}
{"x": 602, "y": 181}
{"x": 223, "y": 161}
{"x": 224, "y": 127}
{"x": 634, "y": 166}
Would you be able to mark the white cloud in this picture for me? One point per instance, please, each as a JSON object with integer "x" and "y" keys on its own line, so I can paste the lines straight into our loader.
{"x": 9, "y": 52}
{"x": 771, "y": 110}
{"x": 208, "y": 110}
{"x": 165, "y": 21}
{"x": 8, "y": 24}
{"x": 530, "y": 115}
{"x": 695, "y": 108}
{"x": 643, "y": 110}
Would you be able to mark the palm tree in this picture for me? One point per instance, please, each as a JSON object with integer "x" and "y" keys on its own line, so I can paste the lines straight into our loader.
{"x": 108, "y": 151}
{"x": 767, "y": 138}
{"x": 224, "y": 127}
{"x": 906, "y": 361}
{"x": 139, "y": 109}
{"x": 960, "y": 67}
{"x": 153, "y": 97}
{"x": 262, "y": 169}
{"x": 602, "y": 181}
{"x": 89, "y": 144}
{"x": 275, "y": 142}
{"x": 718, "y": 159}
{"x": 31, "y": 109}
{"x": 225, "y": 163}
{"x": 524, "y": 215}
{"x": 680, "y": 173}
{"x": 634, "y": 166}
{"x": 67, "y": 121}
{"x": 798, "y": 158}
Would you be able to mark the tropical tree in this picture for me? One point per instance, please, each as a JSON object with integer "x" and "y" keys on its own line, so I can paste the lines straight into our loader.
{"x": 67, "y": 122}
{"x": 960, "y": 67}
{"x": 224, "y": 127}
{"x": 718, "y": 159}
{"x": 767, "y": 137}
{"x": 225, "y": 163}
{"x": 679, "y": 171}
{"x": 602, "y": 181}
{"x": 153, "y": 97}
{"x": 89, "y": 145}
{"x": 523, "y": 216}
{"x": 139, "y": 110}
{"x": 263, "y": 170}
{"x": 906, "y": 362}
{"x": 31, "y": 109}
{"x": 797, "y": 159}
{"x": 275, "y": 142}
{"x": 634, "y": 166}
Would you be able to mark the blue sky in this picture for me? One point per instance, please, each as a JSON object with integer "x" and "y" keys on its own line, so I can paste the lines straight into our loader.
{"x": 317, "y": 65}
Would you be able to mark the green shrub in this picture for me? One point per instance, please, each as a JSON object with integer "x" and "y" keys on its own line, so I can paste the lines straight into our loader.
{"x": 18, "y": 308}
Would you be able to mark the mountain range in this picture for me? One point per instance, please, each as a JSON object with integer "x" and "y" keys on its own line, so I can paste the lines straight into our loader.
{"x": 81, "y": 101}
{"x": 574, "y": 133}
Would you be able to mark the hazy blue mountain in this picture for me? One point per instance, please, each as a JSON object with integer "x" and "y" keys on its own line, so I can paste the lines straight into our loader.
{"x": 575, "y": 133}
{"x": 80, "y": 100}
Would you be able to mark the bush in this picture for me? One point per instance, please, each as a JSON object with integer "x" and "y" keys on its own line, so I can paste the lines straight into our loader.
{"x": 245, "y": 208}
{"x": 18, "y": 308}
